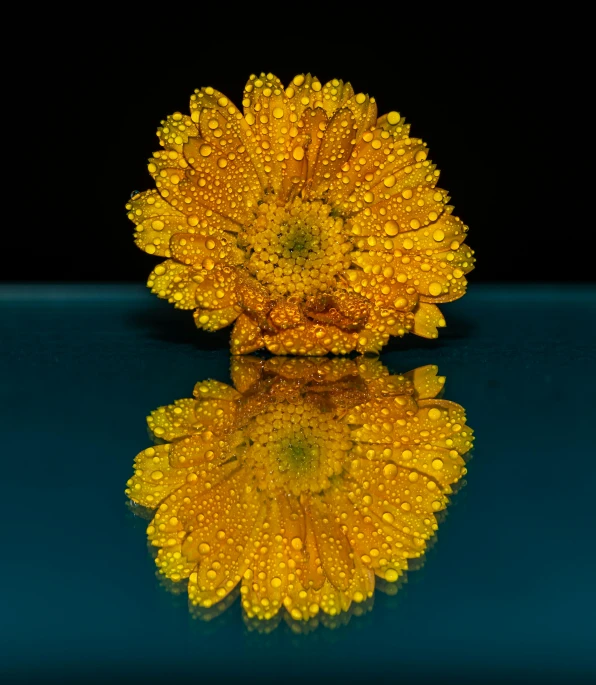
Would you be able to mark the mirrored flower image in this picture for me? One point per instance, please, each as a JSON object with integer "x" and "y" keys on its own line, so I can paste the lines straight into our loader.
{"x": 300, "y": 484}
{"x": 304, "y": 219}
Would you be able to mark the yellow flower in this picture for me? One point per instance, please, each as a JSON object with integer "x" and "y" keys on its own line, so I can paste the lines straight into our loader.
{"x": 302, "y": 483}
{"x": 309, "y": 222}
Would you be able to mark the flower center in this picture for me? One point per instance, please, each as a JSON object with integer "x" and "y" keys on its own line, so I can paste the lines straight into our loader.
{"x": 297, "y": 249}
{"x": 296, "y": 448}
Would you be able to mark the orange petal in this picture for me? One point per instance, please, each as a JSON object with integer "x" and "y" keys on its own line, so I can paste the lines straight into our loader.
{"x": 302, "y": 340}
{"x": 245, "y": 371}
{"x": 246, "y": 336}
{"x": 286, "y": 315}
{"x": 254, "y": 297}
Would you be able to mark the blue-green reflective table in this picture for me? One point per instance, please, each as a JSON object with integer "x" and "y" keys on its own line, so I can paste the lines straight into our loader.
{"x": 507, "y": 591}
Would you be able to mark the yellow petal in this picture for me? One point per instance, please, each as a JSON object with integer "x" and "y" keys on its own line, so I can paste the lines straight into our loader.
{"x": 334, "y": 95}
{"x": 427, "y": 318}
{"x": 266, "y": 583}
{"x": 246, "y": 336}
{"x": 176, "y": 130}
{"x": 174, "y": 282}
{"x": 426, "y": 382}
{"x": 174, "y": 420}
{"x": 217, "y": 288}
{"x": 222, "y": 539}
{"x": 225, "y": 180}
{"x": 156, "y": 222}
{"x": 335, "y": 150}
{"x": 245, "y": 371}
{"x": 204, "y": 251}
{"x": 386, "y": 219}
{"x": 401, "y": 506}
{"x": 267, "y": 111}
{"x": 333, "y": 546}
{"x": 153, "y": 478}
{"x": 215, "y": 319}
{"x": 215, "y": 390}
{"x": 302, "y": 340}
{"x": 193, "y": 450}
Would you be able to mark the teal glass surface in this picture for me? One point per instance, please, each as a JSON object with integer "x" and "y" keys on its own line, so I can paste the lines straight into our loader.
{"x": 507, "y": 591}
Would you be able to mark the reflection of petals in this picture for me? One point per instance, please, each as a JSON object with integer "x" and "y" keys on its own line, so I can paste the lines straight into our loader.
{"x": 301, "y": 484}
{"x": 326, "y": 218}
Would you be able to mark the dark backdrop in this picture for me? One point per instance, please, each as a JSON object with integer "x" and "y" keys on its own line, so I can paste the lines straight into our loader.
{"x": 486, "y": 112}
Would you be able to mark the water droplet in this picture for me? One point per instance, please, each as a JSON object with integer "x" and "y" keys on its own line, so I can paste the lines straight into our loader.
{"x": 391, "y": 228}
{"x": 391, "y": 575}
{"x": 390, "y": 470}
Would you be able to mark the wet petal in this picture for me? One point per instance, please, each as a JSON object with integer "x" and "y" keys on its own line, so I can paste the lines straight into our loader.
{"x": 427, "y": 318}
{"x": 246, "y": 336}
{"x": 221, "y": 540}
{"x": 426, "y": 382}
{"x": 154, "y": 479}
{"x": 174, "y": 421}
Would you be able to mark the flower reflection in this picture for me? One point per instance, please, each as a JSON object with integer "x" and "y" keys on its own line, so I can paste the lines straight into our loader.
{"x": 300, "y": 485}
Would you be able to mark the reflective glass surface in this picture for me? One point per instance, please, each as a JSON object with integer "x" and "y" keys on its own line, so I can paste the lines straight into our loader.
{"x": 507, "y": 590}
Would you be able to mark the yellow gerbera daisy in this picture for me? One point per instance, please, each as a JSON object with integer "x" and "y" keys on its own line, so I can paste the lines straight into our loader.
{"x": 301, "y": 483}
{"x": 312, "y": 224}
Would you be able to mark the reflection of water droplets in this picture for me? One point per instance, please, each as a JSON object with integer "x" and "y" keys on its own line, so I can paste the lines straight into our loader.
{"x": 257, "y": 481}
{"x": 135, "y": 192}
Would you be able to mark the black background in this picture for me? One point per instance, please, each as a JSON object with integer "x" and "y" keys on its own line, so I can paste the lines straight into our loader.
{"x": 490, "y": 112}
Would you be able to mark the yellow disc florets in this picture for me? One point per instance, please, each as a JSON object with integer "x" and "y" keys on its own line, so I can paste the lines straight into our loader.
{"x": 297, "y": 249}
{"x": 296, "y": 448}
